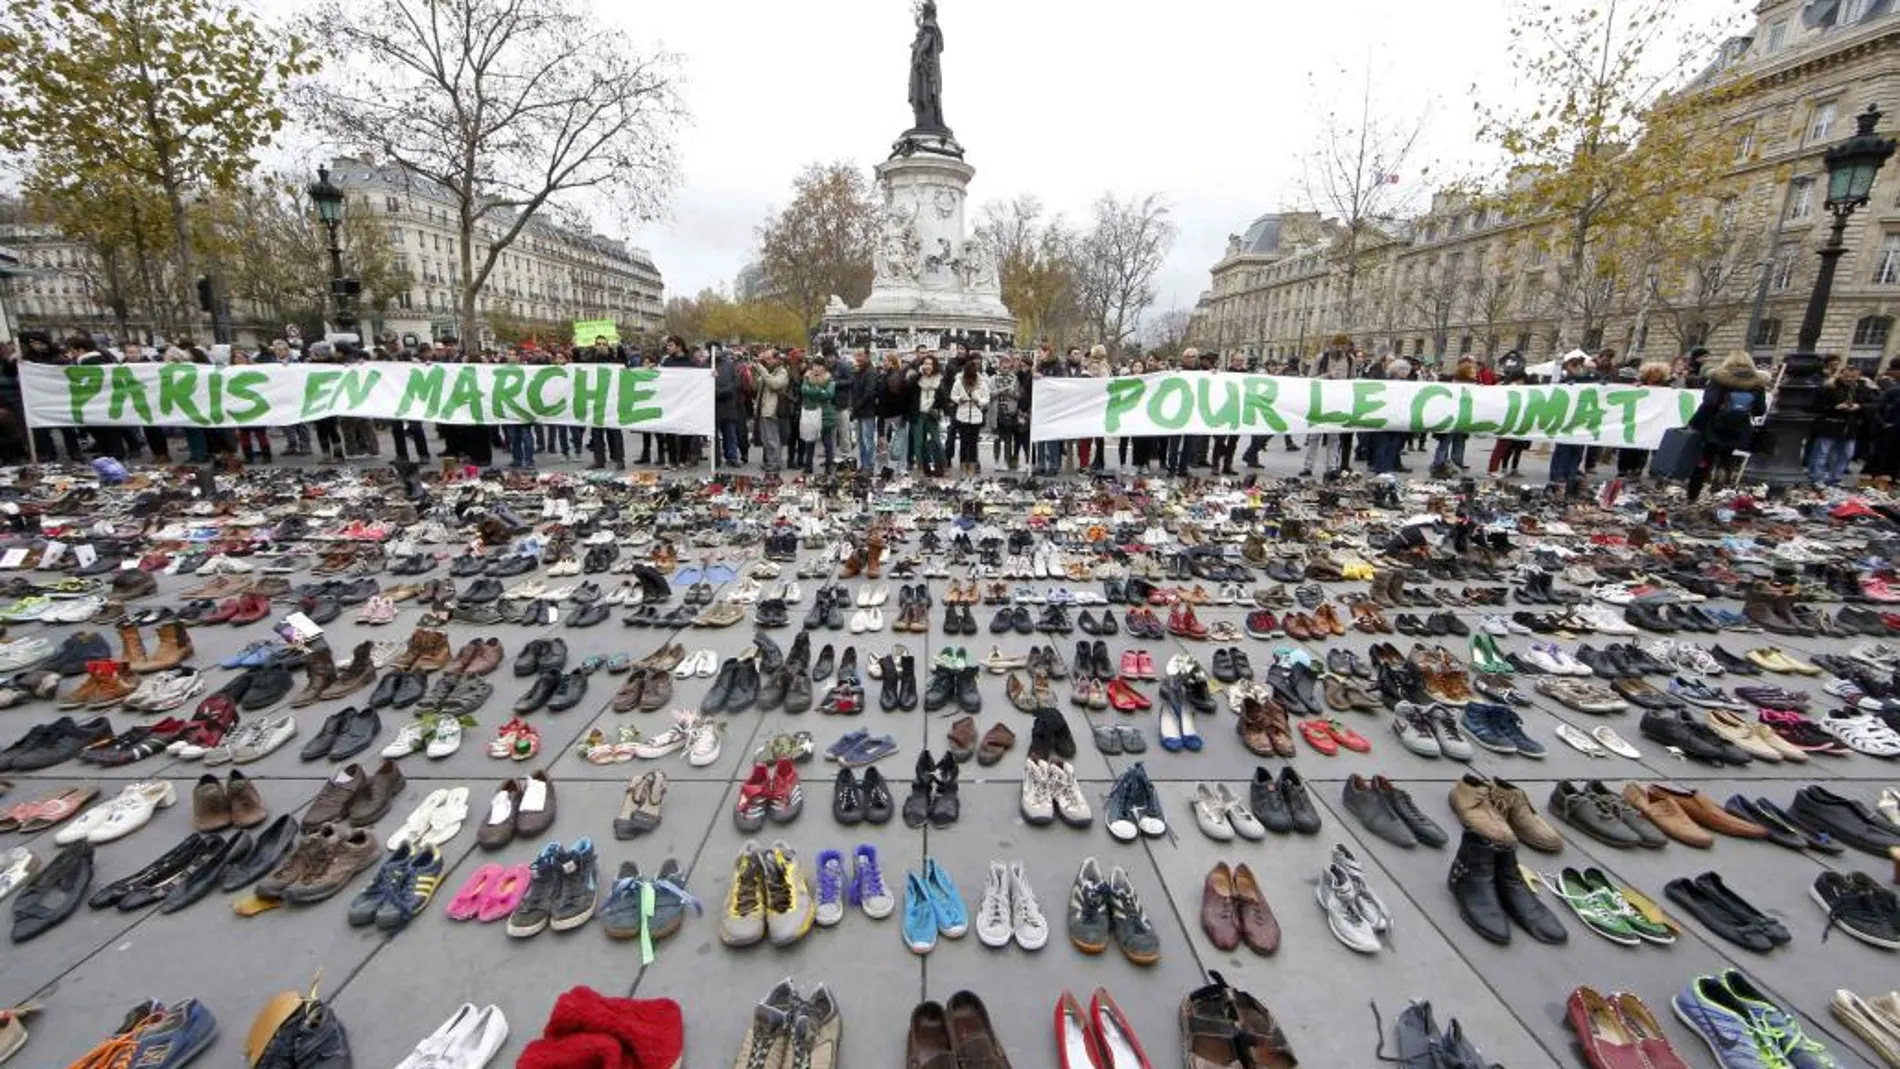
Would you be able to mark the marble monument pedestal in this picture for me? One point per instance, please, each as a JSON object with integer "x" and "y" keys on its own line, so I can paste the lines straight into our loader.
{"x": 932, "y": 285}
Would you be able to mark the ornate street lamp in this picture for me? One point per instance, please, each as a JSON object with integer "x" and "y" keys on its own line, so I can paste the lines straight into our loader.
{"x": 1852, "y": 167}
{"x": 328, "y": 198}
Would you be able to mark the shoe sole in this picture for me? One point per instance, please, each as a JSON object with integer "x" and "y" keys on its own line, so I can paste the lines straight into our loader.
{"x": 564, "y": 924}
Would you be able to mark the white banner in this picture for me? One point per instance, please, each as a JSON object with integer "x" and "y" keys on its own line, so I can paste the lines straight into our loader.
{"x": 676, "y": 400}
{"x": 1205, "y": 402}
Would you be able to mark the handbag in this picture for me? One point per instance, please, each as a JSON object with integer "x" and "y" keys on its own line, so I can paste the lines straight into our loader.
{"x": 811, "y": 424}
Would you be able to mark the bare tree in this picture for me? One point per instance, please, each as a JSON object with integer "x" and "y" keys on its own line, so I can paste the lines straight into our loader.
{"x": 497, "y": 104}
{"x": 1702, "y": 282}
{"x": 1434, "y": 301}
{"x": 1353, "y": 172}
{"x": 1490, "y": 298}
{"x": 1116, "y": 262}
{"x": 1032, "y": 257}
{"x": 822, "y": 242}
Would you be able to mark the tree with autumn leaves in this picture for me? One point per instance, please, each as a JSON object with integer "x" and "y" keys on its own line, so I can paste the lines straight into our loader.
{"x": 170, "y": 100}
{"x": 1617, "y": 158}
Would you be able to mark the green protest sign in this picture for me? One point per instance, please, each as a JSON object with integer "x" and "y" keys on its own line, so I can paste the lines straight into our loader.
{"x": 1199, "y": 402}
{"x": 588, "y": 331}
{"x": 677, "y": 400}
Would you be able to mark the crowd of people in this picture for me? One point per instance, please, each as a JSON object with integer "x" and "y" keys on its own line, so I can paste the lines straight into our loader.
{"x": 936, "y": 412}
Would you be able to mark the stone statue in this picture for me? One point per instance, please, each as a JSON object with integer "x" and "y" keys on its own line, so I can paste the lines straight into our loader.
{"x": 926, "y": 72}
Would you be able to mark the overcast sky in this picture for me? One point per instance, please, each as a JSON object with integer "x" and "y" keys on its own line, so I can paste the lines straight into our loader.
{"x": 1211, "y": 103}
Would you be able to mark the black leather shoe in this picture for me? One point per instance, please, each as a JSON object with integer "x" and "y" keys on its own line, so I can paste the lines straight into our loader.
{"x": 797, "y": 692}
{"x": 944, "y": 805}
{"x": 589, "y": 615}
{"x": 969, "y": 698}
{"x": 568, "y": 692}
{"x": 1474, "y": 886}
{"x": 410, "y": 687}
{"x": 319, "y": 745}
{"x": 385, "y": 692}
{"x": 745, "y": 688}
{"x": 202, "y": 875}
{"x": 907, "y": 683}
{"x": 51, "y": 895}
{"x": 360, "y": 728}
{"x": 822, "y": 668}
{"x": 848, "y": 665}
{"x": 537, "y": 696}
{"x": 267, "y": 687}
{"x": 528, "y": 661}
{"x": 1521, "y": 903}
{"x": 917, "y": 805}
{"x": 942, "y": 687}
{"x": 1299, "y": 802}
{"x": 877, "y": 797}
{"x": 268, "y": 850}
{"x": 553, "y": 656}
{"x": 1374, "y": 810}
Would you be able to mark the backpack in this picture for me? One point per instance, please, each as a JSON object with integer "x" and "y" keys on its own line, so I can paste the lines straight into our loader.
{"x": 1734, "y": 416}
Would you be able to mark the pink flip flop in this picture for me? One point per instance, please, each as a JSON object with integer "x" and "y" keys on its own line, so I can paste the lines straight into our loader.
{"x": 468, "y": 901}
{"x": 506, "y": 895}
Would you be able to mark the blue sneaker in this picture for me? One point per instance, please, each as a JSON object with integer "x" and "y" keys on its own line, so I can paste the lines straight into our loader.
{"x": 920, "y": 919}
{"x": 831, "y": 890}
{"x": 1723, "y": 1022}
{"x": 1486, "y": 728}
{"x": 1513, "y": 727}
{"x": 420, "y": 877}
{"x": 180, "y": 1035}
{"x": 382, "y": 890}
{"x": 952, "y": 918}
{"x": 1776, "y": 1025}
{"x": 252, "y": 656}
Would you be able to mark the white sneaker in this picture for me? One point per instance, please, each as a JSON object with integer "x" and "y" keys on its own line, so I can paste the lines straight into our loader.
{"x": 469, "y": 1039}
{"x": 1038, "y": 800}
{"x": 703, "y": 748}
{"x": 267, "y": 735}
{"x": 1602, "y": 620}
{"x": 1543, "y": 655}
{"x": 446, "y": 738}
{"x": 1031, "y": 928}
{"x": 1349, "y": 924}
{"x": 408, "y": 740}
{"x": 993, "y": 916}
{"x": 1580, "y": 742}
{"x": 670, "y": 741}
{"x": 1071, "y": 805}
{"x": 1497, "y": 625}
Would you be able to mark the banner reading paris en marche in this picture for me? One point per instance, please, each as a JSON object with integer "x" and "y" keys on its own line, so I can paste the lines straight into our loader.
{"x": 1202, "y": 402}
{"x": 675, "y": 400}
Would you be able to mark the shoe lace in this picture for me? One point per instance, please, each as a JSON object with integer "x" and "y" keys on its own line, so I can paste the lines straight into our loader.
{"x": 996, "y": 902}
{"x": 1027, "y": 909}
{"x": 1858, "y": 902}
{"x": 778, "y": 887}
{"x": 830, "y": 883}
{"x": 869, "y": 882}
{"x": 1128, "y": 907}
{"x": 748, "y": 888}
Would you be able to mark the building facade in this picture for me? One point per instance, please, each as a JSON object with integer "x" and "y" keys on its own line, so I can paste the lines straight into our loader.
{"x": 548, "y": 277}
{"x": 1461, "y": 278}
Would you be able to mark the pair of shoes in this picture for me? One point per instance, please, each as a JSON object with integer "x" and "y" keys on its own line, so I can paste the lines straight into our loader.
{"x": 521, "y": 808}
{"x": 323, "y": 863}
{"x": 933, "y": 793}
{"x": 1133, "y": 808}
{"x": 1050, "y": 791}
{"x": 627, "y": 914}
{"x": 1100, "y": 909}
{"x": 1491, "y": 893}
{"x": 932, "y": 907}
{"x": 787, "y": 1029}
{"x": 957, "y": 1032}
{"x": 768, "y": 899}
{"x": 1225, "y": 1028}
{"x": 1009, "y": 910}
{"x": 863, "y": 888}
{"x": 855, "y": 800}
{"x": 1618, "y": 1030}
{"x": 362, "y": 800}
{"x": 403, "y": 888}
{"x": 561, "y": 892}
{"x": 1731, "y": 1014}
{"x": 1283, "y": 804}
{"x": 1235, "y": 911}
{"x": 770, "y": 791}
{"x": 1100, "y": 1038}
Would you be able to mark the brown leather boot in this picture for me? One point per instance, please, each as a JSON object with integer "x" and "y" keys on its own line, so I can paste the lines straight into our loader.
{"x": 356, "y": 675}
{"x": 852, "y": 565}
{"x": 435, "y": 652}
{"x": 174, "y": 646}
{"x": 131, "y": 642}
{"x": 874, "y": 556}
{"x": 418, "y": 645}
{"x": 87, "y": 691}
{"x": 320, "y": 669}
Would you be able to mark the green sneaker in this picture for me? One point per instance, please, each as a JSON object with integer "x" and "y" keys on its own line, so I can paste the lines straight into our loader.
{"x": 1647, "y": 930}
{"x": 1600, "y": 911}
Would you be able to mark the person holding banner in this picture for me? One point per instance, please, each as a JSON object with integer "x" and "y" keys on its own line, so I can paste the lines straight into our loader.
{"x": 1048, "y": 455}
{"x": 1334, "y": 363}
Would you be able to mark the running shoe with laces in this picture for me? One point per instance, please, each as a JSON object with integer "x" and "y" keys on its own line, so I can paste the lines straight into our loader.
{"x": 1859, "y": 906}
{"x": 789, "y": 909}
{"x": 1028, "y": 925}
{"x": 993, "y": 927}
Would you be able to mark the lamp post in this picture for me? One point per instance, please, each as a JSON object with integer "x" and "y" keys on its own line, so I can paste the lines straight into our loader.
{"x": 329, "y": 201}
{"x": 1852, "y": 167}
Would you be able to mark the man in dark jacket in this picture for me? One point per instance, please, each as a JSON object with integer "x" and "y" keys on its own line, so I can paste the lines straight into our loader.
{"x": 728, "y": 408}
{"x": 1736, "y": 396}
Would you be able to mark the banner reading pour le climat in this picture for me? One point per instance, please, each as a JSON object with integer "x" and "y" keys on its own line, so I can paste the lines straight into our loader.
{"x": 1202, "y": 402}
{"x": 676, "y": 400}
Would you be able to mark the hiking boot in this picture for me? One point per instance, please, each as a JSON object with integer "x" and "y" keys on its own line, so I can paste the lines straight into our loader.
{"x": 174, "y": 648}
{"x": 359, "y": 673}
{"x": 320, "y": 670}
{"x": 573, "y": 903}
{"x": 353, "y": 853}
